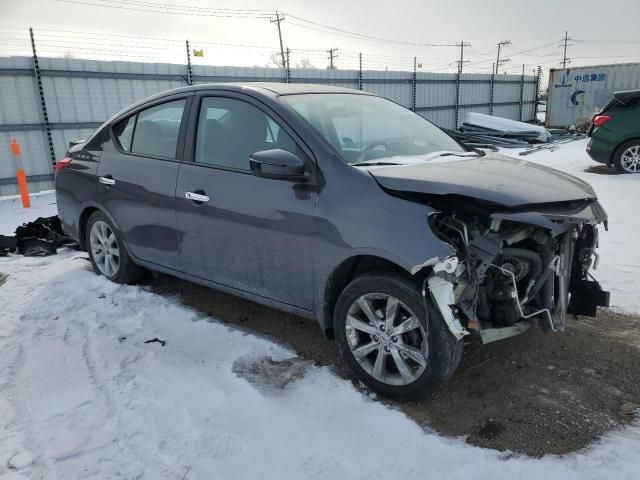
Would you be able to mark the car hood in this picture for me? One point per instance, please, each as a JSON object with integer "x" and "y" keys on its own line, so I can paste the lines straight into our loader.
{"x": 493, "y": 178}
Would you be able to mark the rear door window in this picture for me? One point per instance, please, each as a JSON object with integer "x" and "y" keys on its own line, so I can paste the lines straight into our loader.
{"x": 155, "y": 131}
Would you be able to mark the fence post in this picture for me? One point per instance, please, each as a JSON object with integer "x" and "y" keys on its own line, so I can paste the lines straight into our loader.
{"x": 43, "y": 104}
{"x": 522, "y": 94}
{"x": 457, "y": 111}
{"x": 537, "y": 93}
{"x": 189, "y": 72}
{"x": 493, "y": 81}
{"x": 360, "y": 74}
{"x": 413, "y": 102}
{"x": 288, "y": 67}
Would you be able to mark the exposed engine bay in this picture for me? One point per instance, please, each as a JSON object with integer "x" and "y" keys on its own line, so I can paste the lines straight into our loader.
{"x": 516, "y": 267}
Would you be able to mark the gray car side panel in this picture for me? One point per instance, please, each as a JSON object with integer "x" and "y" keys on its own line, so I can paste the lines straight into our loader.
{"x": 356, "y": 217}
{"x": 353, "y": 215}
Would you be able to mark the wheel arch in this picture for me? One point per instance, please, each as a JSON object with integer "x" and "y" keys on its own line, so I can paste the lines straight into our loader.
{"x": 616, "y": 149}
{"x": 345, "y": 272}
{"x": 86, "y": 213}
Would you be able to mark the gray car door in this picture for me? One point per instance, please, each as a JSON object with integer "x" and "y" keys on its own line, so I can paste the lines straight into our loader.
{"x": 137, "y": 178}
{"x": 239, "y": 230}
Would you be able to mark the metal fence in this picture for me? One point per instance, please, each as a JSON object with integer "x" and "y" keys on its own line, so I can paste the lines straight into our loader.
{"x": 46, "y": 102}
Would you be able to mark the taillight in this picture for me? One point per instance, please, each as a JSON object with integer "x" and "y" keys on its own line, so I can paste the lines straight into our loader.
{"x": 600, "y": 120}
{"x": 60, "y": 164}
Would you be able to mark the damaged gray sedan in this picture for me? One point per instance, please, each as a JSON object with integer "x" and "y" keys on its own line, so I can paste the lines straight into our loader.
{"x": 340, "y": 206}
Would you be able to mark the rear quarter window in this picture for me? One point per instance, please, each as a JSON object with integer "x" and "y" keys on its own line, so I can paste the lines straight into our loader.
{"x": 123, "y": 131}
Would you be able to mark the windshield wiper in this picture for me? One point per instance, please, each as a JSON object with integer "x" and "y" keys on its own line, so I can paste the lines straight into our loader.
{"x": 478, "y": 153}
{"x": 370, "y": 163}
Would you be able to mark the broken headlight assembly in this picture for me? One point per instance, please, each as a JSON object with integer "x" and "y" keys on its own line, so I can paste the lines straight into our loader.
{"x": 516, "y": 269}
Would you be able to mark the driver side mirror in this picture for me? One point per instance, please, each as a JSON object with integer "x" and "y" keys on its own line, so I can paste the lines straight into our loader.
{"x": 277, "y": 164}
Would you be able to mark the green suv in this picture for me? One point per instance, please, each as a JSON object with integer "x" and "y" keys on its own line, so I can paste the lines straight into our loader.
{"x": 615, "y": 133}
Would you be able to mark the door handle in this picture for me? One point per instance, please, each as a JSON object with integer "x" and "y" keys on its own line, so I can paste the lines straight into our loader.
{"x": 196, "y": 197}
{"x": 107, "y": 180}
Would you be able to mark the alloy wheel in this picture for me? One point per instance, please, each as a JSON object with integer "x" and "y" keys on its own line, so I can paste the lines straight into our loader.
{"x": 104, "y": 248}
{"x": 387, "y": 339}
{"x": 630, "y": 159}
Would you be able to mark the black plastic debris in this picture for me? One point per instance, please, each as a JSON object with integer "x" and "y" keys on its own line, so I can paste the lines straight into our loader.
{"x": 7, "y": 245}
{"x": 41, "y": 237}
{"x": 156, "y": 340}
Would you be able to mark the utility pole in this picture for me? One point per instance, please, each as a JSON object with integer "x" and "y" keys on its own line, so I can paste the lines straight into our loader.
{"x": 462, "y": 60}
{"x": 498, "y": 61}
{"x": 279, "y": 19}
{"x": 332, "y": 54}
{"x": 360, "y": 74}
{"x": 565, "y": 60}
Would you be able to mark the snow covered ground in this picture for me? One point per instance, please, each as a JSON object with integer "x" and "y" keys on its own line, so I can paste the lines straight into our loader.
{"x": 82, "y": 395}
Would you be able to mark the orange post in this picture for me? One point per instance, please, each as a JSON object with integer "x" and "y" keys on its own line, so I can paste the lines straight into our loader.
{"x": 20, "y": 175}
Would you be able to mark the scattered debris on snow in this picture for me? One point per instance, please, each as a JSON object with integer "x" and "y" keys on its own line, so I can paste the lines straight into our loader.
{"x": 41, "y": 237}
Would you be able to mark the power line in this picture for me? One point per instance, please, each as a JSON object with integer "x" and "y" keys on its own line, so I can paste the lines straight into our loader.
{"x": 138, "y": 7}
{"x": 369, "y": 37}
{"x": 241, "y": 12}
{"x": 146, "y": 6}
{"x": 606, "y": 41}
{"x": 545, "y": 45}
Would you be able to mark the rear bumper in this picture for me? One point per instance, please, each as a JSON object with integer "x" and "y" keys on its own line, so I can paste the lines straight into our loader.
{"x": 598, "y": 154}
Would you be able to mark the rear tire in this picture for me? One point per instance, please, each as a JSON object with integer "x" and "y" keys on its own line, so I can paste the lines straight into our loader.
{"x": 627, "y": 157}
{"x": 399, "y": 372}
{"x": 107, "y": 253}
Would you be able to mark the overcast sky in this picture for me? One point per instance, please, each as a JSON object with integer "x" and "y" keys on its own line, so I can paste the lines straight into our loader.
{"x": 602, "y": 32}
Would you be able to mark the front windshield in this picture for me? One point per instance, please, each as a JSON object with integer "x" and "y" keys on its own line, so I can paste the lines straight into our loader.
{"x": 364, "y": 128}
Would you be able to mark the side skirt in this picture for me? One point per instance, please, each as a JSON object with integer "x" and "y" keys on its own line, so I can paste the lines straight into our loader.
{"x": 285, "y": 307}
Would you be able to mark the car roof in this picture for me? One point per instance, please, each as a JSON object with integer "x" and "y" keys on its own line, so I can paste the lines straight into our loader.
{"x": 624, "y": 95}
{"x": 268, "y": 89}
{"x": 280, "y": 88}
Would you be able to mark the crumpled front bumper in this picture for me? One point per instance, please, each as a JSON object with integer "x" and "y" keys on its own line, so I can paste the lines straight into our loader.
{"x": 565, "y": 287}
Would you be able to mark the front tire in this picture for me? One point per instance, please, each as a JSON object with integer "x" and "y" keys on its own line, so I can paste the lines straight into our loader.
{"x": 395, "y": 346}
{"x": 108, "y": 255}
{"x": 627, "y": 157}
